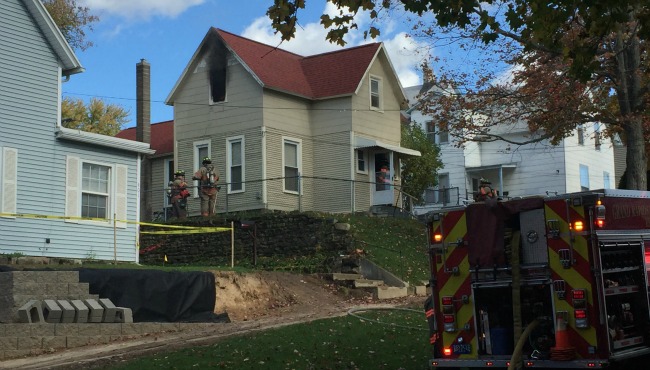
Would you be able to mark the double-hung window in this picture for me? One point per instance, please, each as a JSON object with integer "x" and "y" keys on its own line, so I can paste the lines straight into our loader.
{"x": 291, "y": 154}
{"x": 376, "y": 101}
{"x": 95, "y": 191}
{"x": 201, "y": 150}
{"x": 361, "y": 161}
{"x": 584, "y": 178}
{"x": 235, "y": 175}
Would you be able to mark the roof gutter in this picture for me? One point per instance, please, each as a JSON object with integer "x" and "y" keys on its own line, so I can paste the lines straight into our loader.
{"x": 65, "y": 133}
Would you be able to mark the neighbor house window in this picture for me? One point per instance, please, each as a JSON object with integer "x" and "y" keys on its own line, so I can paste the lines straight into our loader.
{"x": 95, "y": 180}
{"x": 291, "y": 159}
{"x": 584, "y": 178}
{"x": 606, "y": 184}
{"x": 201, "y": 150}
{"x": 581, "y": 135}
{"x": 361, "y": 161}
{"x": 235, "y": 175}
{"x": 597, "y": 135}
{"x": 431, "y": 131}
{"x": 169, "y": 176}
{"x": 443, "y": 195}
{"x": 8, "y": 180}
{"x": 443, "y": 133}
{"x": 375, "y": 93}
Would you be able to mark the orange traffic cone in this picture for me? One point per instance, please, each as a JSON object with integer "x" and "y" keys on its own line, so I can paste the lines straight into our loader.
{"x": 563, "y": 351}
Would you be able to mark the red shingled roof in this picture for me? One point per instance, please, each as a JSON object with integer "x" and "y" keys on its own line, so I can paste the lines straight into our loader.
{"x": 318, "y": 76}
{"x": 162, "y": 137}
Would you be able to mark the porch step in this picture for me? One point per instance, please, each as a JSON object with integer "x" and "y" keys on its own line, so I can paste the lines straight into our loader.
{"x": 338, "y": 276}
{"x": 388, "y": 292}
{"x": 367, "y": 283}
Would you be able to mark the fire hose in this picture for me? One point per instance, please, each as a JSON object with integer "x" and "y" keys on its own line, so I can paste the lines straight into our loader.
{"x": 515, "y": 360}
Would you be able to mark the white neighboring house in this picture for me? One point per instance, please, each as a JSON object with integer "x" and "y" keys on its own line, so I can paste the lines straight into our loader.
{"x": 580, "y": 162}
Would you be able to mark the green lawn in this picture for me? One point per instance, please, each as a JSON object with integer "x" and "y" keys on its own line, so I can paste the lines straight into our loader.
{"x": 398, "y": 340}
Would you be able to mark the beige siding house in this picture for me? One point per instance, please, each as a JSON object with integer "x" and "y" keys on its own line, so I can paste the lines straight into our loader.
{"x": 289, "y": 132}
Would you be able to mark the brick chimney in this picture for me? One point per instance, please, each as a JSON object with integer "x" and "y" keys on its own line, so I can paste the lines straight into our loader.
{"x": 143, "y": 98}
{"x": 143, "y": 134}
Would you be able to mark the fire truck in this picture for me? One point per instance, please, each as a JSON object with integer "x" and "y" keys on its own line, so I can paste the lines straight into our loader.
{"x": 540, "y": 282}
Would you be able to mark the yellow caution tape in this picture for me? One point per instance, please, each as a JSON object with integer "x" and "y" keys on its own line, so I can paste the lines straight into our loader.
{"x": 185, "y": 229}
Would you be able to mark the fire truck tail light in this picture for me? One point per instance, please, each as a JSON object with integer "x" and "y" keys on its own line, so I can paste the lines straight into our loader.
{"x": 578, "y": 226}
{"x": 437, "y": 238}
{"x": 447, "y": 351}
{"x": 448, "y": 319}
{"x": 600, "y": 215}
{"x": 447, "y": 301}
{"x": 600, "y": 223}
{"x": 581, "y": 314}
{"x": 579, "y": 294}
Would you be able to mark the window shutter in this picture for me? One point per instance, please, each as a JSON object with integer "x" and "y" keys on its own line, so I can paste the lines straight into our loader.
{"x": 9, "y": 180}
{"x": 72, "y": 191}
{"x": 121, "y": 179}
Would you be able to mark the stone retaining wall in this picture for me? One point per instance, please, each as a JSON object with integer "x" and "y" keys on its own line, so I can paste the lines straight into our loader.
{"x": 278, "y": 234}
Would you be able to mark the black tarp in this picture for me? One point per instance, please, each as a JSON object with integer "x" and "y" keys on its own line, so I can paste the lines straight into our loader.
{"x": 157, "y": 296}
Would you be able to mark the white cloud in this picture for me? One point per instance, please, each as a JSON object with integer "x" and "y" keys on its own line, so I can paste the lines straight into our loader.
{"x": 404, "y": 52}
{"x": 140, "y": 9}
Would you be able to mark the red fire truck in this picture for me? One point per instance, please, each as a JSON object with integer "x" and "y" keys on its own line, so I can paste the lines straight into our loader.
{"x": 541, "y": 282}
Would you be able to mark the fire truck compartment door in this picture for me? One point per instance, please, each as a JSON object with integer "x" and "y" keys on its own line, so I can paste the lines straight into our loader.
{"x": 533, "y": 240}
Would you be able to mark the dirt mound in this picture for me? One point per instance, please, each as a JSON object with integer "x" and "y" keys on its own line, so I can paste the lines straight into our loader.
{"x": 247, "y": 296}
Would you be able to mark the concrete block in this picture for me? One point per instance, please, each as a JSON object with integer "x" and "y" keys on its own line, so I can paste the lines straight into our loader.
{"x": 67, "y": 277}
{"x": 76, "y": 341}
{"x": 124, "y": 315}
{"x": 131, "y": 329}
{"x": 110, "y": 329}
{"x": 79, "y": 290}
{"x": 68, "y": 314}
{"x": 51, "y": 311}
{"x": 421, "y": 290}
{"x": 29, "y": 289}
{"x": 88, "y": 330}
{"x": 8, "y": 343}
{"x": 389, "y": 292}
{"x": 31, "y": 313}
{"x": 109, "y": 310}
{"x": 81, "y": 311}
{"x": 17, "y": 330}
{"x": 30, "y": 343}
{"x": 66, "y": 329}
{"x": 57, "y": 289}
{"x": 50, "y": 343}
{"x": 96, "y": 311}
{"x": 42, "y": 330}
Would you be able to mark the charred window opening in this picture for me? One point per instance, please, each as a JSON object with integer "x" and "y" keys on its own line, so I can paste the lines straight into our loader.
{"x": 218, "y": 61}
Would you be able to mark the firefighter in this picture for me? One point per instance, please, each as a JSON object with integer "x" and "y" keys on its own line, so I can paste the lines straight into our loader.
{"x": 179, "y": 194}
{"x": 207, "y": 176}
{"x": 485, "y": 191}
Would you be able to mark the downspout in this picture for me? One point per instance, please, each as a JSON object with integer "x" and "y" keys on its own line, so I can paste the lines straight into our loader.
{"x": 264, "y": 183}
{"x": 352, "y": 166}
{"x": 137, "y": 211}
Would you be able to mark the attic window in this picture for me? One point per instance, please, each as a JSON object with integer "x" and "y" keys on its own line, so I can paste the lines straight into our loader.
{"x": 217, "y": 63}
{"x": 375, "y": 93}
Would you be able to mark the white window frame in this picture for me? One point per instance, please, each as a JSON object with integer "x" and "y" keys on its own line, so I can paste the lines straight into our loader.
{"x": 379, "y": 93}
{"x": 362, "y": 157}
{"x": 229, "y": 141}
{"x": 110, "y": 197}
{"x": 584, "y": 177}
{"x": 298, "y": 143}
{"x": 581, "y": 134}
{"x": 440, "y": 134}
{"x": 197, "y": 161}
{"x": 8, "y": 180}
{"x": 606, "y": 180}
{"x": 168, "y": 176}
{"x": 430, "y": 131}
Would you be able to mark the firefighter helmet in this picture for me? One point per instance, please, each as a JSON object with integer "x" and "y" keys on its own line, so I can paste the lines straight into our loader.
{"x": 207, "y": 160}
{"x": 179, "y": 173}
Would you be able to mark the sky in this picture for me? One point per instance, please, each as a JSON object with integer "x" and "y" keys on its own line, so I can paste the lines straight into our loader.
{"x": 166, "y": 33}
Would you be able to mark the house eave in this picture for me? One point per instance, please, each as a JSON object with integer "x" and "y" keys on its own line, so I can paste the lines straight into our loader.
{"x": 103, "y": 140}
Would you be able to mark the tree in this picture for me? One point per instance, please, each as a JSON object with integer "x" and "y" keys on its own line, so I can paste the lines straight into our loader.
{"x": 595, "y": 52}
{"x": 419, "y": 173}
{"x": 72, "y": 20}
{"x": 97, "y": 117}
